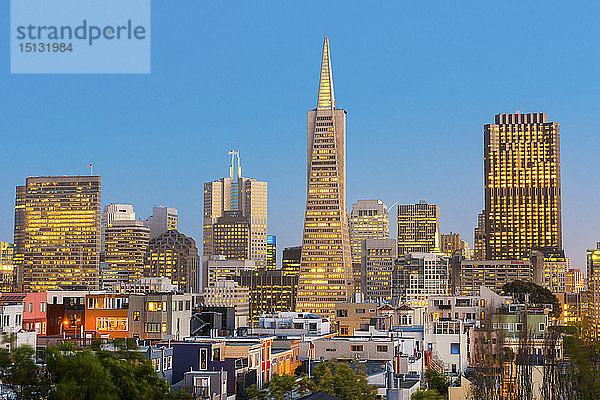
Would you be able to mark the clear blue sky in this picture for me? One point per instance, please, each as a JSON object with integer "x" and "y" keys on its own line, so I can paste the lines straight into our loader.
{"x": 418, "y": 80}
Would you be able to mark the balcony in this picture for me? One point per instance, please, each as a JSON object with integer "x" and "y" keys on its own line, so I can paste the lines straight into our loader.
{"x": 197, "y": 392}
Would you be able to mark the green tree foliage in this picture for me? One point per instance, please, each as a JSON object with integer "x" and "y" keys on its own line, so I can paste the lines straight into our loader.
{"x": 427, "y": 395}
{"x": 22, "y": 376}
{"x": 339, "y": 379}
{"x": 72, "y": 374}
{"x": 585, "y": 368}
{"x": 537, "y": 294}
{"x": 335, "y": 378}
{"x": 437, "y": 382}
{"x": 282, "y": 387}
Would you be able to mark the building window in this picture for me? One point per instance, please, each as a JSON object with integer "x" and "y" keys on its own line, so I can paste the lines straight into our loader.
{"x": 360, "y": 311}
{"x": 187, "y": 305}
{"x": 542, "y": 327}
{"x": 153, "y": 306}
{"x": 344, "y": 330}
{"x": 136, "y": 315}
{"x": 43, "y": 306}
{"x": 356, "y": 347}
{"x": 519, "y": 326}
{"x": 30, "y": 308}
{"x": 203, "y": 359}
{"x": 164, "y": 327}
{"x": 111, "y": 324}
{"x": 382, "y": 349}
{"x": 342, "y": 313}
{"x": 454, "y": 348}
{"x": 152, "y": 327}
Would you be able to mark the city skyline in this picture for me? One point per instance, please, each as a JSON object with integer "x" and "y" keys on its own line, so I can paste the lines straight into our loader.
{"x": 172, "y": 187}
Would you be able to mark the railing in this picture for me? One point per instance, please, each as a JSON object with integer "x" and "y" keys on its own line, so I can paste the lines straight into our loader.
{"x": 199, "y": 392}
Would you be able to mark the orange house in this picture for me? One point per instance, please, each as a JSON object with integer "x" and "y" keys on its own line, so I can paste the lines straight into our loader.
{"x": 106, "y": 314}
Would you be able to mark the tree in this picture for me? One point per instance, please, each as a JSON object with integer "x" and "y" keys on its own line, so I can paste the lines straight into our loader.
{"x": 23, "y": 376}
{"x": 282, "y": 387}
{"x": 73, "y": 374}
{"x": 339, "y": 379}
{"x": 537, "y": 294}
{"x": 427, "y": 395}
{"x": 437, "y": 381}
{"x": 79, "y": 375}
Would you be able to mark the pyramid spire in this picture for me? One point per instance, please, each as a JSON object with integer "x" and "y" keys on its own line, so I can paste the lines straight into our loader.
{"x": 326, "y": 99}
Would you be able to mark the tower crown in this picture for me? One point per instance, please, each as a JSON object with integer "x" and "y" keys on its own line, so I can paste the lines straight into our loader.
{"x": 326, "y": 99}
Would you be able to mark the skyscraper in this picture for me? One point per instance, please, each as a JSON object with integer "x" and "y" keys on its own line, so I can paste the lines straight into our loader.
{"x": 290, "y": 262}
{"x": 115, "y": 212}
{"x": 593, "y": 277}
{"x": 163, "y": 219}
{"x": 271, "y": 251}
{"x": 6, "y": 267}
{"x": 522, "y": 186}
{"x": 231, "y": 236}
{"x": 378, "y": 257}
{"x": 57, "y": 232}
{"x": 242, "y": 197}
{"x": 175, "y": 256}
{"x": 271, "y": 291}
{"x": 575, "y": 280}
{"x": 479, "y": 238}
{"x": 369, "y": 219}
{"x": 451, "y": 242}
{"x": 326, "y": 265}
{"x": 418, "y": 228}
{"x": 125, "y": 244}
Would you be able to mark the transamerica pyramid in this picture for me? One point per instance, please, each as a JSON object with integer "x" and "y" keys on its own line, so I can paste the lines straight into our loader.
{"x": 326, "y": 266}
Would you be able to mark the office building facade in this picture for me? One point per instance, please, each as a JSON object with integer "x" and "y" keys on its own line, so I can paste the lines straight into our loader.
{"x": 241, "y": 197}
{"x": 326, "y": 266}
{"x": 115, "y": 212}
{"x": 377, "y": 264}
{"x": 369, "y": 219}
{"x": 7, "y": 273}
{"x": 416, "y": 276}
{"x": 125, "y": 245}
{"x": 271, "y": 252}
{"x": 491, "y": 273}
{"x": 593, "y": 276}
{"x": 575, "y": 280}
{"x": 57, "y": 232}
{"x": 451, "y": 244}
{"x": 232, "y": 236}
{"x": 219, "y": 268}
{"x": 522, "y": 186}
{"x": 271, "y": 291}
{"x": 163, "y": 219}
{"x": 175, "y": 256}
{"x": 291, "y": 259}
{"x": 418, "y": 228}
